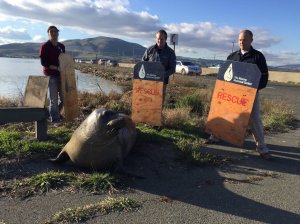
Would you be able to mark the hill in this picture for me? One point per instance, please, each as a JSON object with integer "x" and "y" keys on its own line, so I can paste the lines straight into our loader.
{"x": 86, "y": 48}
{"x": 107, "y": 47}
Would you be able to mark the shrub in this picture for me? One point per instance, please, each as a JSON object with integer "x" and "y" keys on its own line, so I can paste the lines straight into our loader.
{"x": 194, "y": 102}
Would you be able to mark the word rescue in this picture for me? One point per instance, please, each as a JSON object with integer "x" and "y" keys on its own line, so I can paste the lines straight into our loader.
{"x": 141, "y": 90}
{"x": 231, "y": 98}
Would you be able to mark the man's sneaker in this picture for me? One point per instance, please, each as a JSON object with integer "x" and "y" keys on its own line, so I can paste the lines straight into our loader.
{"x": 266, "y": 156}
{"x": 211, "y": 140}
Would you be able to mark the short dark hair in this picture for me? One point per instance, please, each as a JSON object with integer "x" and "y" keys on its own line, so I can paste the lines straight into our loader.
{"x": 52, "y": 27}
{"x": 163, "y": 32}
{"x": 248, "y": 32}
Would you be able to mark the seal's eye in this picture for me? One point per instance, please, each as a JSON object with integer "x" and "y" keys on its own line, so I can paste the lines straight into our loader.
{"x": 107, "y": 115}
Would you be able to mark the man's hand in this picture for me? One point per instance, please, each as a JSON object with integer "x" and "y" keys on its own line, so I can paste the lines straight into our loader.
{"x": 53, "y": 67}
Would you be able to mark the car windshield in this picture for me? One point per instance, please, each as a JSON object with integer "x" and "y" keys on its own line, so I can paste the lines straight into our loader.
{"x": 187, "y": 63}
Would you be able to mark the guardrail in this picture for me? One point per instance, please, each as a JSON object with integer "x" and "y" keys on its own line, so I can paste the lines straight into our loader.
{"x": 27, "y": 114}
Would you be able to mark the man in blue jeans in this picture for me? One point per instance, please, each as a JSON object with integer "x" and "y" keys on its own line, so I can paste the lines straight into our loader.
{"x": 249, "y": 55}
{"x": 49, "y": 53}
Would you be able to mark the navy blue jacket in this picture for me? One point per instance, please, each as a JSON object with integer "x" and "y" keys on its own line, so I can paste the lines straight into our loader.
{"x": 166, "y": 56}
{"x": 255, "y": 57}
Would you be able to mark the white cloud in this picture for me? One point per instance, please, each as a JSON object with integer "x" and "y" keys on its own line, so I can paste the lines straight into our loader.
{"x": 14, "y": 34}
{"x": 114, "y": 18}
{"x": 282, "y": 58}
{"x": 39, "y": 39}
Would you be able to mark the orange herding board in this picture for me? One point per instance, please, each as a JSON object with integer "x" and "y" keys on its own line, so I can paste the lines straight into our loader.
{"x": 230, "y": 110}
{"x": 68, "y": 84}
{"x": 147, "y": 102}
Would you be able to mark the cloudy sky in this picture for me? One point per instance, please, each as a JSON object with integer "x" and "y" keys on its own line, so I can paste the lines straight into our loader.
{"x": 206, "y": 29}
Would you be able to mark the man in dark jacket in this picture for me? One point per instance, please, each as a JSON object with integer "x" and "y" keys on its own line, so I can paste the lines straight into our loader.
{"x": 249, "y": 55}
{"x": 163, "y": 53}
{"x": 49, "y": 53}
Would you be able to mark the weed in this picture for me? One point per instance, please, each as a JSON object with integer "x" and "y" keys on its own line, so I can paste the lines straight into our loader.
{"x": 194, "y": 102}
{"x": 190, "y": 151}
{"x": 174, "y": 118}
{"x": 188, "y": 143}
{"x": 119, "y": 106}
{"x": 97, "y": 182}
{"x": 45, "y": 181}
{"x": 81, "y": 214}
{"x": 248, "y": 180}
{"x": 6, "y": 102}
{"x": 277, "y": 116}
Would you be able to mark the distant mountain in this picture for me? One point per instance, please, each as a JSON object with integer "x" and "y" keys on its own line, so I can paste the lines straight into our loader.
{"x": 107, "y": 47}
{"x": 292, "y": 67}
{"x": 91, "y": 47}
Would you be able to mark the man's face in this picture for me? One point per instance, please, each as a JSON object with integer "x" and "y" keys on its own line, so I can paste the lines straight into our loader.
{"x": 161, "y": 40}
{"x": 245, "y": 41}
{"x": 53, "y": 34}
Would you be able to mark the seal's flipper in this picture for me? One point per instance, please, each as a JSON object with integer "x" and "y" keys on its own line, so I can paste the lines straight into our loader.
{"x": 61, "y": 158}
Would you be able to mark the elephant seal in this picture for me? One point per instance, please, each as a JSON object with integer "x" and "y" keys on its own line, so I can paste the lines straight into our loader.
{"x": 102, "y": 140}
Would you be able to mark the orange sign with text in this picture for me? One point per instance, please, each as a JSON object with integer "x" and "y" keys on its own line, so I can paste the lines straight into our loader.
{"x": 147, "y": 93}
{"x": 147, "y": 102}
{"x": 232, "y": 102}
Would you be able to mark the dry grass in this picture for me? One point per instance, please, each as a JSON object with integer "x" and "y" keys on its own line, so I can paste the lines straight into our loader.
{"x": 287, "y": 77}
{"x": 277, "y": 115}
{"x": 6, "y": 102}
{"x": 173, "y": 118}
{"x": 84, "y": 213}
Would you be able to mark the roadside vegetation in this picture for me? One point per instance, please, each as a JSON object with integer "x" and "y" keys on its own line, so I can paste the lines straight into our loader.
{"x": 184, "y": 117}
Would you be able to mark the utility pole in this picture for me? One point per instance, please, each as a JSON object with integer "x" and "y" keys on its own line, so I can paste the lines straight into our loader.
{"x": 232, "y": 46}
{"x": 133, "y": 55}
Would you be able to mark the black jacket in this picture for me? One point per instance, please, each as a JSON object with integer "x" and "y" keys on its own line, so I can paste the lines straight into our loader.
{"x": 255, "y": 57}
{"x": 166, "y": 56}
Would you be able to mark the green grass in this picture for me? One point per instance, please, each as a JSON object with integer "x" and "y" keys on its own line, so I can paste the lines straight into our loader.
{"x": 194, "y": 102}
{"x": 188, "y": 142}
{"x": 13, "y": 144}
{"x": 45, "y": 181}
{"x": 53, "y": 180}
{"x": 84, "y": 213}
{"x": 97, "y": 182}
{"x": 119, "y": 106}
{"x": 20, "y": 143}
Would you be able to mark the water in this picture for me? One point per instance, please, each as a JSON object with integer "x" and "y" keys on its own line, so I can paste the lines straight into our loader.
{"x": 14, "y": 73}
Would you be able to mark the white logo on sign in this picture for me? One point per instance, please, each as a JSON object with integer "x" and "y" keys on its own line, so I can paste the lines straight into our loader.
{"x": 228, "y": 74}
{"x": 142, "y": 72}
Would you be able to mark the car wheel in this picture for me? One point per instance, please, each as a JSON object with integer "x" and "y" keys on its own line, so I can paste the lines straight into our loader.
{"x": 183, "y": 72}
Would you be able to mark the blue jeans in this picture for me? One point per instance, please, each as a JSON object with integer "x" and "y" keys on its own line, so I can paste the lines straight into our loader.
{"x": 54, "y": 93}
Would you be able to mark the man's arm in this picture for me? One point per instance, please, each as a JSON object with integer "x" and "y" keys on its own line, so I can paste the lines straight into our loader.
{"x": 172, "y": 64}
{"x": 43, "y": 57}
{"x": 262, "y": 65}
{"x": 145, "y": 56}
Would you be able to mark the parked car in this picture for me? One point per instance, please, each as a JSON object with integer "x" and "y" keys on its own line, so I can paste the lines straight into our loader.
{"x": 112, "y": 63}
{"x": 185, "y": 68}
{"x": 102, "y": 61}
